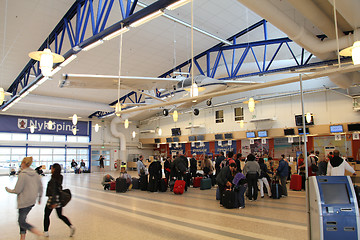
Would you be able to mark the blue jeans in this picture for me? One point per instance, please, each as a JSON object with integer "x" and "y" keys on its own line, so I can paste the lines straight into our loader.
{"x": 239, "y": 196}
{"x": 23, "y": 212}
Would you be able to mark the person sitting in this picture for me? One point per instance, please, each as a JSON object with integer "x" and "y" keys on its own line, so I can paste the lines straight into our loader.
{"x": 82, "y": 165}
{"x": 39, "y": 170}
{"x": 12, "y": 172}
{"x": 125, "y": 175}
{"x": 107, "y": 181}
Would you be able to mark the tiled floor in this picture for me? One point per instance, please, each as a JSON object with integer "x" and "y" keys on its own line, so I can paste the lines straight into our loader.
{"x": 99, "y": 214}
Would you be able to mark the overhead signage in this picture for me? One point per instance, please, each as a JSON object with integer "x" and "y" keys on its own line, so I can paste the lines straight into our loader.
{"x": 201, "y": 148}
{"x": 225, "y": 147}
{"x": 19, "y": 124}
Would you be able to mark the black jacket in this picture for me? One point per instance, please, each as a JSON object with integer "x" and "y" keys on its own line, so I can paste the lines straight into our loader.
{"x": 53, "y": 188}
{"x": 224, "y": 176}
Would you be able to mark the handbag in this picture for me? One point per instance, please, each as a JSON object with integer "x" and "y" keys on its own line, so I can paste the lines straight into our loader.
{"x": 64, "y": 197}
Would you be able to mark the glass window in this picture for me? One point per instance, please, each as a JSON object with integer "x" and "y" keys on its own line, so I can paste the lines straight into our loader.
{"x": 239, "y": 114}
{"x": 5, "y": 150}
{"x": 5, "y": 136}
{"x": 32, "y": 151}
{"x": 71, "y": 138}
{"x": 45, "y": 151}
{"x": 59, "y": 151}
{"x": 82, "y": 151}
{"x": 21, "y": 151}
{"x": 59, "y": 138}
{"x": 47, "y": 138}
{"x": 71, "y": 151}
{"x": 219, "y": 116}
{"x": 82, "y": 139}
{"x": 34, "y": 137}
{"x": 18, "y": 137}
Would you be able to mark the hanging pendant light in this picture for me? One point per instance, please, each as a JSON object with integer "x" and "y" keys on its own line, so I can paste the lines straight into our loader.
{"x": 118, "y": 109}
{"x": 133, "y": 134}
{"x": 159, "y": 132}
{"x": 32, "y": 128}
{"x": 353, "y": 52}
{"x": 194, "y": 90}
{"x": 50, "y": 125}
{"x": 74, "y": 130}
{"x": 251, "y": 105}
{"x": 126, "y": 123}
{"x": 47, "y": 59}
{"x": 175, "y": 116}
{"x": 96, "y": 127}
{"x": 242, "y": 124}
{"x": 74, "y": 119}
{"x": 2, "y": 95}
{"x": 308, "y": 117}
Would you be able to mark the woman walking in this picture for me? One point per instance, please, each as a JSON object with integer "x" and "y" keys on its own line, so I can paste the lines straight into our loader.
{"x": 28, "y": 188}
{"x": 53, "y": 190}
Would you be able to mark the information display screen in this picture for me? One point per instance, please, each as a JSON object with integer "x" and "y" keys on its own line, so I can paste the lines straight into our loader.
{"x": 250, "y": 134}
{"x": 336, "y": 129}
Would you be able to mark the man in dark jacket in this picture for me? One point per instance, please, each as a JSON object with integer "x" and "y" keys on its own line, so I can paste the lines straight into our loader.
{"x": 218, "y": 161}
{"x": 283, "y": 171}
{"x": 193, "y": 166}
{"x": 224, "y": 178}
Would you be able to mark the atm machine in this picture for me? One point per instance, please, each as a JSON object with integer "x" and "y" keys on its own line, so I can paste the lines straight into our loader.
{"x": 334, "y": 212}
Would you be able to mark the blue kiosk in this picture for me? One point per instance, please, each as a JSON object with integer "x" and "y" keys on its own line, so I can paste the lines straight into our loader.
{"x": 334, "y": 211}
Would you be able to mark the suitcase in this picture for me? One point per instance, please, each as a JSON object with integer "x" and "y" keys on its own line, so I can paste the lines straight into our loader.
{"x": 197, "y": 181}
{"x": 121, "y": 185}
{"x": 296, "y": 182}
{"x": 276, "y": 191}
{"x": 163, "y": 185}
{"x": 135, "y": 183}
{"x": 179, "y": 186}
{"x": 228, "y": 199}
{"x": 143, "y": 182}
{"x": 205, "y": 183}
{"x": 152, "y": 186}
{"x": 112, "y": 185}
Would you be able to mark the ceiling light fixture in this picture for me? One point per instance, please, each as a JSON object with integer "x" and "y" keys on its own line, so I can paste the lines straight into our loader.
{"x": 133, "y": 134}
{"x": 116, "y": 33}
{"x": 50, "y": 125}
{"x": 97, "y": 127}
{"x": 308, "y": 117}
{"x": 93, "y": 45}
{"x": 2, "y": 95}
{"x": 74, "y": 130}
{"x": 47, "y": 59}
{"x": 118, "y": 109}
{"x": 177, "y": 4}
{"x": 147, "y": 18}
{"x": 74, "y": 119}
{"x": 175, "y": 116}
{"x": 353, "y": 51}
{"x": 251, "y": 104}
{"x": 159, "y": 132}
{"x": 126, "y": 123}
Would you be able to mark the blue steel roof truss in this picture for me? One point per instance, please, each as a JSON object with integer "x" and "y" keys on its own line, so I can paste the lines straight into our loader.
{"x": 64, "y": 30}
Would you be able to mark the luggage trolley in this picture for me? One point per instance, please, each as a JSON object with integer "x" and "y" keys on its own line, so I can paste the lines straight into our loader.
{"x": 334, "y": 212}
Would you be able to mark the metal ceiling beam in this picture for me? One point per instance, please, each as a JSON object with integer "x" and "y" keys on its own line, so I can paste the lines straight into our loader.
{"x": 73, "y": 28}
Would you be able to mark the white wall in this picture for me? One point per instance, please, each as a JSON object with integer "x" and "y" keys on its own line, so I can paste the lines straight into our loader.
{"x": 328, "y": 107}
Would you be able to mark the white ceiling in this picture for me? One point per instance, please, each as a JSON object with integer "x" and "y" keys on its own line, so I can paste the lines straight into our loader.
{"x": 148, "y": 50}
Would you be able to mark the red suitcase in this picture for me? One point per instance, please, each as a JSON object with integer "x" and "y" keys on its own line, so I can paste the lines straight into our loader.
{"x": 179, "y": 186}
{"x": 197, "y": 181}
{"x": 295, "y": 182}
{"x": 112, "y": 185}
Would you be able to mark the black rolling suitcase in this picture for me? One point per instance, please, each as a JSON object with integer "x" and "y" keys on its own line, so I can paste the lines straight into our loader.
{"x": 163, "y": 185}
{"x": 121, "y": 185}
{"x": 135, "y": 183}
{"x": 152, "y": 186}
{"x": 143, "y": 182}
{"x": 228, "y": 199}
{"x": 276, "y": 189}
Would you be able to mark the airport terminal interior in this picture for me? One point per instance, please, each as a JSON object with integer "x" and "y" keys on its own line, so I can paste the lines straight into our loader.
{"x": 119, "y": 79}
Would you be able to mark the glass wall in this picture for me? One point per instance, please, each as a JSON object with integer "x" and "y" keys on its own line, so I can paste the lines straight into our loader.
{"x": 43, "y": 154}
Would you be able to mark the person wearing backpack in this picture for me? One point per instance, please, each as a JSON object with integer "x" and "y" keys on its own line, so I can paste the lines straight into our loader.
{"x": 239, "y": 186}
{"x": 52, "y": 191}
